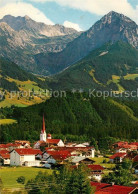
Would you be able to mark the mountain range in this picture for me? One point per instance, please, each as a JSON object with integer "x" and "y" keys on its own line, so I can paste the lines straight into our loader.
{"x": 40, "y": 56}
{"x": 21, "y": 38}
{"x": 48, "y": 49}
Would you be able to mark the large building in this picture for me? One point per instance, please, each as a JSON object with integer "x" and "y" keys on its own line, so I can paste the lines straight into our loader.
{"x": 46, "y": 140}
{"x": 24, "y": 157}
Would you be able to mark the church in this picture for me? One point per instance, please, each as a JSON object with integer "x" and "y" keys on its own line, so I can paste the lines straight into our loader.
{"x": 46, "y": 140}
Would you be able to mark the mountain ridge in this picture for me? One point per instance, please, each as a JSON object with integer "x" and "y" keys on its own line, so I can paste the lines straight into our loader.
{"x": 21, "y": 40}
{"x": 112, "y": 27}
{"x": 26, "y": 23}
{"x": 44, "y": 55}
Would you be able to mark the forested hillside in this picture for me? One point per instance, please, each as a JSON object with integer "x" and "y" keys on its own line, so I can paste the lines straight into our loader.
{"x": 13, "y": 78}
{"x": 75, "y": 114}
{"x": 112, "y": 66}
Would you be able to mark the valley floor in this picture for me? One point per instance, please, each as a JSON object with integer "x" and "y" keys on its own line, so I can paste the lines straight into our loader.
{"x": 9, "y": 176}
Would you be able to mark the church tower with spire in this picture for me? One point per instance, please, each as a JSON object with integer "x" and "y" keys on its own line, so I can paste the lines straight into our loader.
{"x": 43, "y": 135}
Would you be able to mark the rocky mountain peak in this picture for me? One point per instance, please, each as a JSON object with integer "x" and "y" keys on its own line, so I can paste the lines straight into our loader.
{"x": 114, "y": 17}
{"x": 113, "y": 13}
{"x": 27, "y": 17}
{"x": 114, "y": 27}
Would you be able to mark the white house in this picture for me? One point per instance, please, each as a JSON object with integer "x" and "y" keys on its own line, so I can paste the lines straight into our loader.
{"x": 117, "y": 158}
{"x": 55, "y": 142}
{"x": 4, "y": 159}
{"x": 24, "y": 157}
{"x": 96, "y": 172}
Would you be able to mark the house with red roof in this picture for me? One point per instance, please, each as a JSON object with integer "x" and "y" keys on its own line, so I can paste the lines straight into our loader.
{"x": 46, "y": 140}
{"x": 134, "y": 143}
{"x": 12, "y": 146}
{"x": 79, "y": 151}
{"x": 4, "y": 157}
{"x": 56, "y": 156}
{"x": 25, "y": 144}
{"x": 123, "y": 147}
{"x": 15, "y": 145}
{"x": 103, "y": 188}
{"x": 117, "y": 157}
{"x": 4, "y": 152}
{"x": 119, "y": 144}
{"x": 24, "y": 157}
{"x": 96, "y": 171}
{"x": 54, "y": 142}
{"x": 3, "y": 147}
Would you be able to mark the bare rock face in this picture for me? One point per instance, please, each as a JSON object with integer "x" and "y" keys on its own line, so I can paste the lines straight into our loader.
{"x": 21, "y": 38}
{"x": 114, "y": 27}
{"x": 26, "y": 23}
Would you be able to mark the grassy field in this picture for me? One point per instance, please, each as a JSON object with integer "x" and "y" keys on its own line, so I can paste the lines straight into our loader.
{"x": 91, "y": 73}
{"x": 108, "y": 167}
{"x": 10, "y": 174}
{"x": 7, "y": 121}
{"x": 21, "y": 102}
{"x": 25, "y": 87}
{"x": 131, "y": 76}
{"x": 116, "y": 80}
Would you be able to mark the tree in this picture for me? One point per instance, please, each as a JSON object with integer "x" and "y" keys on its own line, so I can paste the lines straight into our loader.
{"x": 127, "y": 164}
{"x": 67, "y": 180}
{"x": 21, "y": 179}
{"x": 94, "y": 143}
{"x": 79, "y": 182}
{"x": 121, "y": 176}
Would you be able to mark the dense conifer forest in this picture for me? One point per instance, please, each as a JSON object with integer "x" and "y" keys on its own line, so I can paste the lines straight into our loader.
{"x": 74, "y": 117}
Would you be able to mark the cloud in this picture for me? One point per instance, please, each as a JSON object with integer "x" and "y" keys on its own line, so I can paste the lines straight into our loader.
{"x": 69, "y": 24}
{"x": 21, "y": 9}
{"x": 99, "y": 7}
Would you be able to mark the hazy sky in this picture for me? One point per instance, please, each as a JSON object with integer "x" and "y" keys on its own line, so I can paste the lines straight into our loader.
{"x": 79, "y": 14}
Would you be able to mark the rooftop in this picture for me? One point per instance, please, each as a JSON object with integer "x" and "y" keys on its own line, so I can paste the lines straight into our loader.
{"x": 29, "y": 151}
{"x": 102, "y": 188}
{"x": 118, "y": 155}
{"x": 95, "y": 167}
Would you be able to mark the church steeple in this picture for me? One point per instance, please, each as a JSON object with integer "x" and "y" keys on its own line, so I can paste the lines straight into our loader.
{"x": 43, "y": 131}
{"x": 43, "y": 126}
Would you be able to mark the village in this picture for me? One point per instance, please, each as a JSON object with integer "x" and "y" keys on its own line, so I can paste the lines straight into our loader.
{"x": 51, "y": 153}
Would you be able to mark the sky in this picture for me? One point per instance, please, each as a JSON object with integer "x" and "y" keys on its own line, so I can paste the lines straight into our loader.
{"x": 77, "y": 14}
